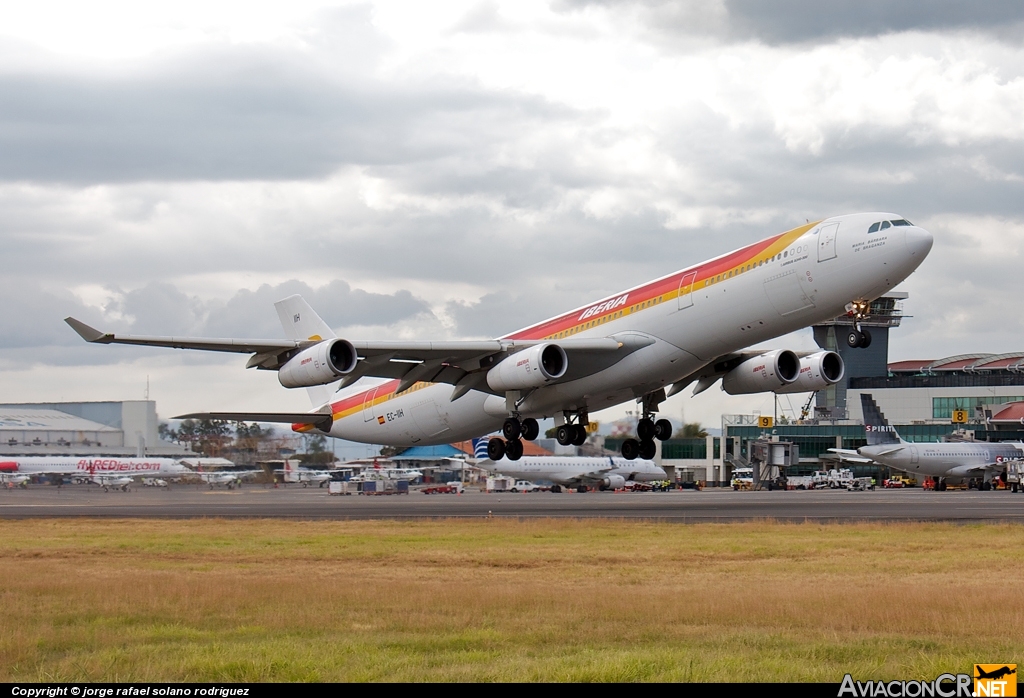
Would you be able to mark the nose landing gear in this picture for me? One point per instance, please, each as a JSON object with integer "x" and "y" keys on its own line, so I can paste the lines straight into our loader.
{"x": 858, "y": 337}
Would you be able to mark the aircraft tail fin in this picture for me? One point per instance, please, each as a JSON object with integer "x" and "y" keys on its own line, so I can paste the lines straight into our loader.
{"x": 876, "y": 427}
{"x": 291, "y": 471}
{"x": 300, "y": 321}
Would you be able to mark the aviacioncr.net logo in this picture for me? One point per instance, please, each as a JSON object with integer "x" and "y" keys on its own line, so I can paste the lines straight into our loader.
{"x": 944, "y": 686}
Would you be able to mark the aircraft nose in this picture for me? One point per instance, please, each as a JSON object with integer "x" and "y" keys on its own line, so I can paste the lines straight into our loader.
{"x": 919, "y": 242}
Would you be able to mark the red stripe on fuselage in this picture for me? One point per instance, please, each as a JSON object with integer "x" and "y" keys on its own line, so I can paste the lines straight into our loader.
{"x": 667, "y": 286}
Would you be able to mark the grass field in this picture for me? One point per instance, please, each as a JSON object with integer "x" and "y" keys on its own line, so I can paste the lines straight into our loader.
{"x": 216, "y": 600}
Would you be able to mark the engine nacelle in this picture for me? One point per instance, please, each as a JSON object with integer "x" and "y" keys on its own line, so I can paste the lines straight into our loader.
{"x": 529, "y": 368}
{"x": 613, "y": 482}
{"x": 320, "y": 364}
{"x": 817, "y": 372}
{"x": 768, "y": 372}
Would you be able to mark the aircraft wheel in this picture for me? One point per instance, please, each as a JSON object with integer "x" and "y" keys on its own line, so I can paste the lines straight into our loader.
{"x": 645, "y": 429}
{"x": 854, "y": 338}
{"x": 564, "y": 435}
{"x": 531, "y": 429}
{"x": 866, "y": 341}
{"x": 579, "y": 435}
{"x": 305, "y": 484}
{"x": 514, "y": 449}
{"x": 556, "y": 488}
{"x": 105, "y": 489}
{"x": 581, "y": 489}
{"x": 495, "y": 449}
{"x": 663, "y": 430}
{"x": 648, "y": 449}
{"x": 512, "y": 429}
{"x": 630, "y": 449}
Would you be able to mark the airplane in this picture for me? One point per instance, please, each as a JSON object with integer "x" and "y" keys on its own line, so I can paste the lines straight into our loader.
{"x": 604, "y": 473}
{"x": 12, "y": 480}
{"x": 293, "y": 473}
{"x": 946, "y": 463}
{"x": 646, "y": 344}
{"x": 86, "y": 466}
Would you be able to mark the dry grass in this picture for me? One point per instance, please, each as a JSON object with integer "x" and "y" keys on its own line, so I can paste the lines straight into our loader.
{"x": 213, "y": 600}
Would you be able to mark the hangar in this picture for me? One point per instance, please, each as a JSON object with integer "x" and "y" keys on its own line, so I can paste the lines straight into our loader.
{"x": 126, "y": 428}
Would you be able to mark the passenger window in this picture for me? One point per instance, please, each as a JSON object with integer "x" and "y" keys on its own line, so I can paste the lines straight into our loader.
{"x": 885, "y": 224}
{"x": 874, "y": 227}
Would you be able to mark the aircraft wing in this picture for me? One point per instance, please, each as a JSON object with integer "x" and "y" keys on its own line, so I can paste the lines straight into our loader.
{"x": 463, "y": 363}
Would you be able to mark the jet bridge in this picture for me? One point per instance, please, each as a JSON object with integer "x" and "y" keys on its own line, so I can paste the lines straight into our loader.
{"x": 769, "y": 461}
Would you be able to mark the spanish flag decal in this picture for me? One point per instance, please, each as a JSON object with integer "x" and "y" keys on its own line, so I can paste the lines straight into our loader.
{"x": 380, "y": 420}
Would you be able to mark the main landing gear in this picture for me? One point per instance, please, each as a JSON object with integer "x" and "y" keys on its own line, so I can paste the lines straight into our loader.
{"x": 514, "y": 430}
{"x": 647, "y": 430}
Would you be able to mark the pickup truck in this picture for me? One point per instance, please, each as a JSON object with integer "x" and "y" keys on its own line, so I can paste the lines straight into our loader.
{"x": 524, "y": 486}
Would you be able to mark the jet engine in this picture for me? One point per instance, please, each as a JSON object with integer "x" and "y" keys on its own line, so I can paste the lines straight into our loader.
{"x": 769, "y": 372}
{"x": 613, "y": 482}
{"x": 320, "y": 364}
{"x": 529, "y": 368}
{"x": 817, "y": 372}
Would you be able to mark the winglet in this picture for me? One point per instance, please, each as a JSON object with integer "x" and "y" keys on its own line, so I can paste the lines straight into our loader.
{"x": 89, "y": 334}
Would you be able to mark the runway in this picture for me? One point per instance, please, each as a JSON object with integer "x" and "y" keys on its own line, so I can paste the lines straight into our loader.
{"x": 681, "y": 506}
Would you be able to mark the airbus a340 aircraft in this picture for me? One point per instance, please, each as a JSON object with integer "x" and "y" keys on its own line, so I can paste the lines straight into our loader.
{"x": 950, "y": 462}
{"x": 645, "y": 344}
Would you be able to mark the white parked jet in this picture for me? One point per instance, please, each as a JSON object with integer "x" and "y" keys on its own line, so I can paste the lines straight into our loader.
{"x": 604, "y": 473}
{"x": 293, "y": 473}
{"x": 645, "y": 344}
{"x": 951, "y": 462}
{"x": 87, "y": 466}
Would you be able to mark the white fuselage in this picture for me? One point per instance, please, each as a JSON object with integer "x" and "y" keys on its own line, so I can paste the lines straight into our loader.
{"x": 687, "y": 319}
{"x": 571, "y": 470}
{"x": 86, "y": 466}
{"x": 945, "y": 460}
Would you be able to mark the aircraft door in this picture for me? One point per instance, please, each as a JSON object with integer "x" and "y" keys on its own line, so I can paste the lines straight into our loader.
{"x": 913, "y": 455}
{"x": 827, "y": 242}
{"x": 368, "y": 404}
{"x": 685, "y": 297}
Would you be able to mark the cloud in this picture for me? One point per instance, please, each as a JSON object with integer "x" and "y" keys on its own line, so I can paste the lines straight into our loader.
{"x": 779, "y": 22}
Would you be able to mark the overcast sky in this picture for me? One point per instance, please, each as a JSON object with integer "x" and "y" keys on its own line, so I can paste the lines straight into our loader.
{"x": 461, "y": 169}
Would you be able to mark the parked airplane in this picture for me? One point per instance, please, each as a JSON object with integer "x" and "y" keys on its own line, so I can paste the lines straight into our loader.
{"x": 86, "y": 466}
{"x": 13, "y": 480}
{"x": 293, "y": 473}
{"x": 950, "y": 462}
{"x": 645, "y": 344}
{"x": 604, "y": 473}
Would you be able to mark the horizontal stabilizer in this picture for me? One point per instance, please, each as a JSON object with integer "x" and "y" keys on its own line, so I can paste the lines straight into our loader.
{"x": 322, "y": 420}
{"x": 850, "y": 455}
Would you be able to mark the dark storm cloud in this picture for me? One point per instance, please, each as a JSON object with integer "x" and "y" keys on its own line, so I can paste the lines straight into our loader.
{"x": 252, "y": 313}
{"x": 237, "y": 114}
{"x": 800, "y": 21}
{"x": 31, "y": 317}
{"x": 785, "y": 21}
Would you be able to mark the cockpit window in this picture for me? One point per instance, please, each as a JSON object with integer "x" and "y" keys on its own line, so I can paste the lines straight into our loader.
{"x": 874, "y": 227}
{"x": 885, "y": 224}
{"x": 901, "y": 222}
